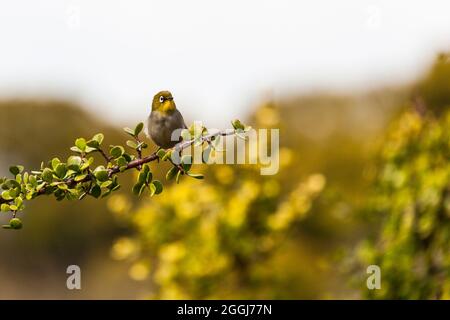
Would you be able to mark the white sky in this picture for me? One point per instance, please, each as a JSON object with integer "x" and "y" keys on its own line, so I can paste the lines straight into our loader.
{"x": 217, "y": 58}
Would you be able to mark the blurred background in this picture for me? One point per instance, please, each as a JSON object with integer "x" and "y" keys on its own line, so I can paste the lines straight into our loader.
{"x": 360, "y": 91}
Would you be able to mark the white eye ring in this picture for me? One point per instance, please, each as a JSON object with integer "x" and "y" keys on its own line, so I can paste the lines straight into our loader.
{"x": 161, "y": 99}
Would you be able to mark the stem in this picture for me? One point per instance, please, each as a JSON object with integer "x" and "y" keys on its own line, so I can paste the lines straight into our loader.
{"x": 108, "y": 159}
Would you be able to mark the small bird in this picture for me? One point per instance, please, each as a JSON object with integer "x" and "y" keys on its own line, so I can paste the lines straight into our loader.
{"x": 164, "y": 119}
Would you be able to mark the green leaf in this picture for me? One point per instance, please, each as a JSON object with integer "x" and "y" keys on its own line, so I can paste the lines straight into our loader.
{"x": 117, "y": 151}
{"x": 129, "y": 131}
{"x": 96, "y": 191}
{"x": 152, "y": 190}
{"x": 15, "y": 223}
{"x": 145, "y": 176}
{"x": 11, "y": 183}
{"x": 70, "y": 173}
{"x": 47, "y": 175}
{"x": 237, "y": 124}
{"x": 72, "y": 194}
{"x": 142, "y": 189}
{"x": 80, "y": 177}
{"x": 80, "y": 143}
{"x": 87, "y": 163}
{"x": 15, "y": 170}
{"x": 19, "y": 202}
{"x": 93, "y": 144}
{"x": 132, "y": 144}
{"x": 158, "y": 186}
{"x": 138, "y": 188}
{"x": 25, "y": 177}
{"x": 186, "y": 162}
{"x": 195, "y": 175}
{"x": 60, "y": 170}
{"x": 161, "y": 153}
{"x": 146, "y": 167}
{"x": 54, "y": 163}
{"x": 121, "y": 161}
{"x": 138, "y": 128}
{"x": 167, "y": 155}
{"x": 62, "y": 186}
{"x": 149, "y": 177}
{"x": 5, "y": 207}
{"x": 32, "y": 180}
{"x": 14, "y": 192}
{"x": 101, "y": 174}
{"x": 73, "y": 163}
{"x": 178, "y": 177}
{"x": 142, "y": 176}
{"x": 40, "y": 186}
{"x": 106, "y": 184}
{"x": 90, "y": 149}
{"x": 127, "y": 157}
{"x": 171, "y": 173}
{"x": 98, "y": 137}
{"x": 76, "y": 149}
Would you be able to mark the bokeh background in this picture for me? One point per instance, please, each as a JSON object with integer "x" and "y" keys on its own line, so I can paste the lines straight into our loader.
{"x": 360, "y": 91}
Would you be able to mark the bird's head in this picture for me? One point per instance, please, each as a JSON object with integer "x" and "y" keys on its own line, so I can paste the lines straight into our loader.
{"x": 163, "y": 102}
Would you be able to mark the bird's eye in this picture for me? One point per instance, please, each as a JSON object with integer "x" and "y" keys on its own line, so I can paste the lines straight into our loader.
{"x": 161, "y": 99}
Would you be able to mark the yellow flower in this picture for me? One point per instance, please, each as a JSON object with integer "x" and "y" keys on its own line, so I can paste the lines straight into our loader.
{"x": 172, "y": 252}
{"x": 224, "y": 174}
{"x": 123, "y": 248}
{"x": 139, "y": 271}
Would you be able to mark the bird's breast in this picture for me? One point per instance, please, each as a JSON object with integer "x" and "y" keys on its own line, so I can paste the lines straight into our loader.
{"x": 161, "y": 127}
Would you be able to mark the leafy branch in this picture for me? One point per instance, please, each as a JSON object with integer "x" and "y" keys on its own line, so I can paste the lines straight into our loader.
{"x": 78, "y": 177}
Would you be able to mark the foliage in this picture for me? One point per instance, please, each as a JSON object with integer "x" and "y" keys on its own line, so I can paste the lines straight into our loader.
{"x": 413, "y": 248}
{"x": 211, "y": 240}
{"x": 413, "y": 196}
{"x": 78, "y": 177}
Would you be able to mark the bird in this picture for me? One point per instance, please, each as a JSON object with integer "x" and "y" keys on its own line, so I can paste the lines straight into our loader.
{"x": 163, "y": 120}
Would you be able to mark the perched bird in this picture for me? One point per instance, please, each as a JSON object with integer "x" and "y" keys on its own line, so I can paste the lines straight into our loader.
{"x": 164, "y": 119}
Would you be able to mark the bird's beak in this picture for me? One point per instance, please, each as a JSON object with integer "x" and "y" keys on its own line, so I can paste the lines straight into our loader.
{"x": 170, "y": 98}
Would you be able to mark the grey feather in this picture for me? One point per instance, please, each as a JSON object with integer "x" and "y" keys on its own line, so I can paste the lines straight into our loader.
{"x": 160, "y": 127}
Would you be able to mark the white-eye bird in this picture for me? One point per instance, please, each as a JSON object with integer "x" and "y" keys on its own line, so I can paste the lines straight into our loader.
{"x": 164, "y": 119}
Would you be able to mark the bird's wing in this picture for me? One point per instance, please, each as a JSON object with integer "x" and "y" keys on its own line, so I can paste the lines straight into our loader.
{"x": 147, "y": 127}
{"x": 182, "y": 120}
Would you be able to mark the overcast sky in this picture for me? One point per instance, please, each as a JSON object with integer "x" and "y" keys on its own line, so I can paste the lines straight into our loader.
{"x": 217, "y": 57}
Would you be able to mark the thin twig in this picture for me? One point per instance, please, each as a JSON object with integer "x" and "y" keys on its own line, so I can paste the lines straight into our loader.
{"x": 108, "y": 159}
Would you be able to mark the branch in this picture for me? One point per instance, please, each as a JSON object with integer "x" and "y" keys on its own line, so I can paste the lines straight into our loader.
{"x": 74, "y": 179}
